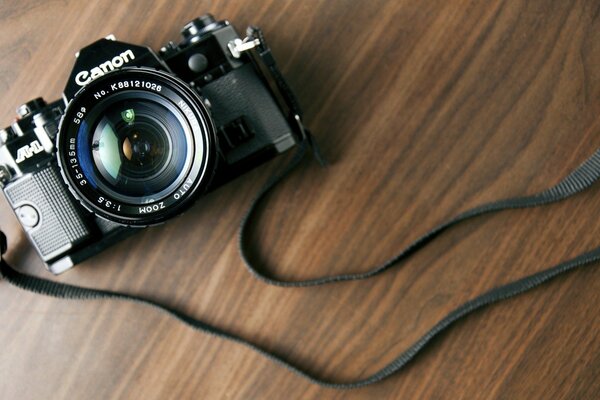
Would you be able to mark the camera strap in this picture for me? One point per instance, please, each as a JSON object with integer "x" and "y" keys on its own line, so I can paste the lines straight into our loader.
{"x": 580, "y": 179}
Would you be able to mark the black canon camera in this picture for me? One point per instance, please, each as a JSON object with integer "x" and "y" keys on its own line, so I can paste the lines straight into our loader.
{"x": 138, "y": 136}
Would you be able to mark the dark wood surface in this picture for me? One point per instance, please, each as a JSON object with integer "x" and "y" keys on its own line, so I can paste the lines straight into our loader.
{"x": 425, "y": 108}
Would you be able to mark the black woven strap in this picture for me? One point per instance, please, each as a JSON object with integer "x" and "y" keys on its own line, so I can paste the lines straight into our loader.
{"x": 580, "y": 179}
{"x": 583, "y": 177}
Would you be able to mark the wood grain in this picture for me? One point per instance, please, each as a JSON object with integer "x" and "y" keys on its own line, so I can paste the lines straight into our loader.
{"x": 425, "y": 108}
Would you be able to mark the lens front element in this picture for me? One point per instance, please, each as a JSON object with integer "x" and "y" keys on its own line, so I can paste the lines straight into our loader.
{"x": 139, "y": 148}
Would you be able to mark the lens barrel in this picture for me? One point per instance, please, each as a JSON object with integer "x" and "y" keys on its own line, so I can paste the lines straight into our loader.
{"x": 136, "y": 146}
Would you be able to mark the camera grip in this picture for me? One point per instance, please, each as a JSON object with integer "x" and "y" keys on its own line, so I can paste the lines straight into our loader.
{"x": 47, "y": 212}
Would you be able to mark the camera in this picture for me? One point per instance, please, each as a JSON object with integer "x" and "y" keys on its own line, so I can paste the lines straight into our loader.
{"x": 139, "y": 135}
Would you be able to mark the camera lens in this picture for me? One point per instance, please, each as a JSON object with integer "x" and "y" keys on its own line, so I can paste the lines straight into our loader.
{"x": 136, "y": 146}
{"x": 139, "y": 148}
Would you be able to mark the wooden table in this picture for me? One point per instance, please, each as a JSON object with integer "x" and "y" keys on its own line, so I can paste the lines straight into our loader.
{"x": 424, "y": 108}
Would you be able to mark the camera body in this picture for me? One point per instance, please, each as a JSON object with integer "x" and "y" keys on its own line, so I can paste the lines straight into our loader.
{"x": 139, "y": 135}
